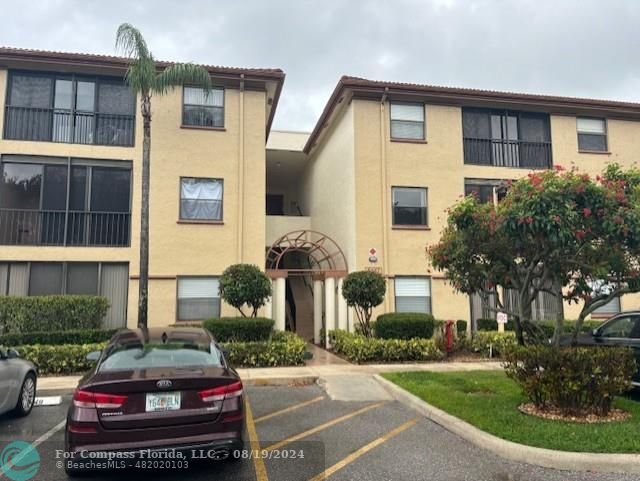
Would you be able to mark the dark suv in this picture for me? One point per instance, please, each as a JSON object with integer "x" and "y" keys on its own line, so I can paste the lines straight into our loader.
{"x": 621, "y": 330}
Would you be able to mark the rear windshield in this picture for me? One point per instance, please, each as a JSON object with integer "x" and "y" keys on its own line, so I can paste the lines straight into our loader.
{"x": 145, "y": 356}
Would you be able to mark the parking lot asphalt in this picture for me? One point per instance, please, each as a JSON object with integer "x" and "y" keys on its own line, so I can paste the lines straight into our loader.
{"x": 302, "y": 434}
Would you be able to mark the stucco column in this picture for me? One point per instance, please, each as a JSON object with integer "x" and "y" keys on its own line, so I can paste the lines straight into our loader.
{"x": 280, "y": 304}
{"x": 329, "y": 308}
{"x": 268, "y": 306}
{"x": 342, "y": 308}
{"x": 317, "y": 310}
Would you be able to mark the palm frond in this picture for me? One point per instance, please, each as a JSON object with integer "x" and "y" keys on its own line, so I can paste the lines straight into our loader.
{"x": 181, "y": 74}
{"x": 131, "y": 43}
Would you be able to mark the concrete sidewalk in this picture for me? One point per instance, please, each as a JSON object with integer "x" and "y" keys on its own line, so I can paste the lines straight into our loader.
{"x": 307, "y": 374}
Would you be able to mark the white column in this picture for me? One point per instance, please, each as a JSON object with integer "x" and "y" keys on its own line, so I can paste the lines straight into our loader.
{"x": 329, "y": 307}
{"x": 342, "y": 308}
{"x": 317, "y": 310}
{"x": 268, "y": 306}
{"x": 280, "y": 303}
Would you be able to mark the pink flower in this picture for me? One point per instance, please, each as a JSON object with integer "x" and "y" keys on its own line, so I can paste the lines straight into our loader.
{"x": 586, "y": 212}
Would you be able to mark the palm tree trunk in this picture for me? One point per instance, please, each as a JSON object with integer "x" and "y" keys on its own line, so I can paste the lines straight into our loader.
{"x": 143, "y": 292}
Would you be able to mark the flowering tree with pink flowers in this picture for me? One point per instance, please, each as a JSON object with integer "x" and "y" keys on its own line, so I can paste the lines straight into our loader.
{"x": 556, "y": 231}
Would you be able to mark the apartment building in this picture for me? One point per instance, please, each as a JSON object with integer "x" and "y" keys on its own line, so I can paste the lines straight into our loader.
{"x": 70, "y": 157}
{"x": 366, "y": 189}
{"x": 386, "y": 159}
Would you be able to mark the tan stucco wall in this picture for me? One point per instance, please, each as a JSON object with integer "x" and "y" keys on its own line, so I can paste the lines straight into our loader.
{"x": 232, "y": 154}
{"x": 328, "y": 187}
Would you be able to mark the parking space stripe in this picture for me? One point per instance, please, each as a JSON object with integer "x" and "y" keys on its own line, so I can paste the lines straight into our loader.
{"x": 258, "y": 462}
{"x": 288, "y": 410}
{"x": 311, "y": 431}
{"x": 363, "y": 450}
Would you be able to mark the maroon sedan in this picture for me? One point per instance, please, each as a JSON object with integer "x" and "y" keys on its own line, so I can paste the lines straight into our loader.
{"x": 154, "y": 392}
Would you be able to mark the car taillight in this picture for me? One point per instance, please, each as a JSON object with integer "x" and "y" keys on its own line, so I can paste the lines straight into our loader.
{"x": 86, "y": 399}
{"x": 221, "y": 392}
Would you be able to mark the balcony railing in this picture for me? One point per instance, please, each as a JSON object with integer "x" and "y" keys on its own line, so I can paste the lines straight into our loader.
{"x": 57, "y": 125}
{"x": 507, "y": 153}
{"x": 60, "y": 228}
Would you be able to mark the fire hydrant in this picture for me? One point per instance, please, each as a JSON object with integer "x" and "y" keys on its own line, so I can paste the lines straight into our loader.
{"x": 449, "y": 337}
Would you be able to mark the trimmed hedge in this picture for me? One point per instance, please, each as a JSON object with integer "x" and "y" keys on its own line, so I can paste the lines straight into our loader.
{"x": 494, "y": 343}
{"x": 56, "y": 313}
{"x": 73, "y": 336}
{"x": 548, "y": 326}
{"x": 284, "y": 349}
{"x": 360, "y": 349}
{"x": 240, "y": 329}
{"x": 404, "y": 325}
{"x": 489, "y": 324}
{"x": 461, "y": 326}
{"x": 61, "y": 359}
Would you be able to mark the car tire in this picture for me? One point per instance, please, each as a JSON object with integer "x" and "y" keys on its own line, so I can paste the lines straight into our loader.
{"x": 27, "y": 396}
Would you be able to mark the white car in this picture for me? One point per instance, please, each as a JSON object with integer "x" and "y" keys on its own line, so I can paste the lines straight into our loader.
{"x": 18, "y": 380}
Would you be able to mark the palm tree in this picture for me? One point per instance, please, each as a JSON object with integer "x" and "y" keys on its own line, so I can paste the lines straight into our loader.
{"x": 145, "y": 79}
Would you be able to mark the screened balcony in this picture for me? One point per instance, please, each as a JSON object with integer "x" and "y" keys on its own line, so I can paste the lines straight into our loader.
{"x": 70, "y": 109}
{"x": 506, "y": 138}
{"x": 64, "y": 203}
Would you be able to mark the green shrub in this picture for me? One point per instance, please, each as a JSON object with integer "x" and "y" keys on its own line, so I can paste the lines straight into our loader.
{"x": 61, "y": 359}
{"x": 284, "y": 349}
{"x": 404, "y": 325}
{"x": 577, "y": 381}
{"x": 492, "y": 344}
{"x": 359, "y": 349}
{"x": 364, "y": 290}
{"x": 240, "y": 329}
{"x": 56, "y": 313}
{"x": 461, "y": 326}
{"x": 242, "y": 284}
{"x": 72, "y": 336}
{"x": 488, "y": 324}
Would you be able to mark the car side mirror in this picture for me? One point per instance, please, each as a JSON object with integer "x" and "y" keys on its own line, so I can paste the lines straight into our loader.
{"x": 93, "y": 356}
{"x": 596, "y": 333}
{"x": 12, "y": 354}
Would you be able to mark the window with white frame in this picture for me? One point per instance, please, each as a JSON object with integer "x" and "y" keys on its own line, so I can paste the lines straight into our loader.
{"x": 201, "y": 199}
{"x": 407, "y": 121}
{"x": 413, "y": 294}
{"x": 203, "y": 108}
{"x": 592, "y": 134}
{"x": 601, "y": 287}
{"x": 198, "y": 298}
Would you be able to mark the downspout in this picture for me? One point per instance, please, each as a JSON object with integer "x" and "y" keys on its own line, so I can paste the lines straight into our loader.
{"x": 240, "y": 215}
{"x": 384, "y": 192}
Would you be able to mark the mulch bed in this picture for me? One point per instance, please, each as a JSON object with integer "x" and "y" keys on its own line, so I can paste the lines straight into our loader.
{"x": 553, "y": 414}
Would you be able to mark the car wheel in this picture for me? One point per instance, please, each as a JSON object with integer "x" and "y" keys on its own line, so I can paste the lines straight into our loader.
{"x": 27, "y": 396}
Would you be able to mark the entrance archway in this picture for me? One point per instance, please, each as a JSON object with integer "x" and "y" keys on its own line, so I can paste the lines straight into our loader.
{"x": 307, "y": 268}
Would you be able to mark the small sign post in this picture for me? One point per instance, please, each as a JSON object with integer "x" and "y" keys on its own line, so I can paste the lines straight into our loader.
{"x": 502, "y": 319}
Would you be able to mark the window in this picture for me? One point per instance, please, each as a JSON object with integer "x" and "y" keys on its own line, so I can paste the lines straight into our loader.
{"x": 483, "y": 189}
{"x": 202, "y": 108}
{"x": 600, "y": 287}
{"x": 38, "y": 206}
{"x": 200, "y": 199}
{"x": 69, "y": 108}
{"x": 45, "y": 278}
{"x": 625, "y": 326}
{"x": 506, "y": 138}
{"x": 592, "y": 134}
{"x": 413, "y": 294}
{"x": 409, "y": 206}
{"x": 198, "y": 298}
{"x": 407, "y": 121}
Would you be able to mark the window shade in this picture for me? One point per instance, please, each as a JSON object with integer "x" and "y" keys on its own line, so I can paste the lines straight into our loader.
{"x": 591, "y": 126}
{"x": 198, "y": 96}
{"x": 410, "y": 112}
{"x": 413, "y": 294}
{"x": 198, "y": 288}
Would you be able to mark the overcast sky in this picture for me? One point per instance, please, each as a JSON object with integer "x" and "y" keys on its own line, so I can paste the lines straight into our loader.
{"x": 566, "y": 47}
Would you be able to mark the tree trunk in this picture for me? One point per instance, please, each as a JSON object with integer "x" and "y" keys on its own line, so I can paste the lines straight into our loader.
{"x": 524, "y": 308}
{"x": 143, "y": 291}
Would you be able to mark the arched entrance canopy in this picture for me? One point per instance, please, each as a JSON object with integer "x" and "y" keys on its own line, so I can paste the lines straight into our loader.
{"x": 324, "y": 254}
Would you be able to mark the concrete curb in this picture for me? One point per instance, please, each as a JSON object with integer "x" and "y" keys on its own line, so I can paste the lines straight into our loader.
{"x": 548, "y": 458}
{"x": 281, "y": 381}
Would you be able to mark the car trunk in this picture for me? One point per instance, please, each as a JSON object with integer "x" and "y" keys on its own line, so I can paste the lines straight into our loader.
{"x": 144, "y": 406}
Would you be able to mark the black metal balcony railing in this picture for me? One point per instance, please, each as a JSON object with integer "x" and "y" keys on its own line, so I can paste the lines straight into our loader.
{"x": 507, "y": 153}
{"x": 60, "y": 228}
{"x": 58, "y": 125}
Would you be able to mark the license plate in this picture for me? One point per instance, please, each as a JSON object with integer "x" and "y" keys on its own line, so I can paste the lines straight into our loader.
{"x": 169, "y": 401}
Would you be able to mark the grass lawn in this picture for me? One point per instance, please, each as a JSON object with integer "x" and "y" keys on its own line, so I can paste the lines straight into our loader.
{"x": 489, "y": 401}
